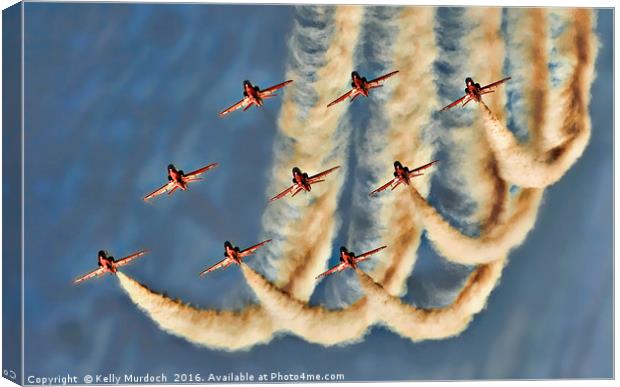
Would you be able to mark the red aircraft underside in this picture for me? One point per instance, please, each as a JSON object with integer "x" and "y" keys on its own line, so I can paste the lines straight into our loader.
{"x": 402, "y": 175}
{"x": 233, "y": 255}
{"x": 109, "y": 265}
{"x": 253, "y": 95}
{"x": 349, "y": 260}
{"x": 360, "y": 86}
{"x": 302, "y": 182}
{"x": 474, "y": 92}
{"x": 179, "y": 180}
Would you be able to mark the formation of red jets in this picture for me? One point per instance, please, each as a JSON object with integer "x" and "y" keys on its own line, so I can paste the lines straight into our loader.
{"x": 254, "y": 95}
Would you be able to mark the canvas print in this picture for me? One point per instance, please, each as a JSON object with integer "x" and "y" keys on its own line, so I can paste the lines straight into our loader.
{"x": 211, "y": 193}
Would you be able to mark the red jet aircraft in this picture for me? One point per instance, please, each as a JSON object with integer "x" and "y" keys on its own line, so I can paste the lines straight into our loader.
{"x": 349, "y": 259}
{"x": 473, "y": 91}
{"x": 402, "y": 175}
{"x": 301, "y": 182}
{"x": 360, "y": 86}
{"x": 253, "y": 95}
{"x": 233, "y": 255}
{"x": 107, "y": 264}
{"x": 178, "y": 179}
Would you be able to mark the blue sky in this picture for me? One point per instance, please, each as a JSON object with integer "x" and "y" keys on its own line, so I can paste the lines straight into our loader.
{"x": 115, "y": 92}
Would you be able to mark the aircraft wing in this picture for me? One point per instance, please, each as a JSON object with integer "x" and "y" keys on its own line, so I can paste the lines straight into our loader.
{"x": 383, "y": 187}
{"x": 316, "y": 177}
{"x": 453, "y": 104}
{"x": 159, "y": 191}
{"x": 125, "y": 260}
{"x": 173, "y": 189}
{"x": 92, "y": 274}
{"x": 201, "y": 170}
{"x": 282, "y": 194}
{"x": 271, "y": 89}
{"x": 418, "y": 169}
{"x": 398, "y": 182}
{"x": 378, "y": 80}
{"x": 298, "y": 190}
{"x": 234, "y": 107}
{"x": 252, "y": 250}
{"x": 366, "y": 255}
{"x": 221, "y": 264}
{"x": 338, "y": 268}
{"x": 491, "y": 85}
{"x": 341, "y": 98}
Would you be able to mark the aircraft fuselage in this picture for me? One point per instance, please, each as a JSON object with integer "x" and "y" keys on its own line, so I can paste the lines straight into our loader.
{"x": 360, "y": 84}
{"x": 178, "y": 178}
{"x": 472, "y": 89}
{"x": 231, "y": 252}
{"x": 252, "y": 92}
{"x": 107, "y": 263}
{"x": 348, "y": 258}
{"x": 402, "y": 173}
{"x": 301, "y": 179}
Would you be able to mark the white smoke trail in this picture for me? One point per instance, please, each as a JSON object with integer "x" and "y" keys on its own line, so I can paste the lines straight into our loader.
{"x": 374, "y": 52}
{"x": 314, "y": 142}
{"x": 424, "y": 324}
{"x": 497, "y": 241}
{"x": 409, "y": 115}
{"x": 331, "y": 327}
{"x": 522, "y": 165}
{"x": 475, "y": 166}
{"x": 228, "y": 330}
{"x": 529, "y": 45}
{"x": 314, "y": 324}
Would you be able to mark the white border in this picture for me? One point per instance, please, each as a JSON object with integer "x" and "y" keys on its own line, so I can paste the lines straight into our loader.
{"x": 512, "y": 3}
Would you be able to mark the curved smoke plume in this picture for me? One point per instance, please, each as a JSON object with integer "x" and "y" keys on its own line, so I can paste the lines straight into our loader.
{"x": 314, "y": 139}
{"x": 230, "y": 330}
{"x": 409, "y": 116}
{"x": 523, "y": 166}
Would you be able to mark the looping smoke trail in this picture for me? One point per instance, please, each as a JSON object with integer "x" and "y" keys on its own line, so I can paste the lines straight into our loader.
{"x": 228, "y": 330}
{"x": 497, "y": 241}
{"x": 476, "y": 172}
{"x": 373, "y": 57}
{"x": 536, "y": 96}
{"x": 528, "y": 65}
{"x": 314, "y": 324}
{"x": 352, "y": 323}
{"x": 313, "y": 141}
{"x": 422, "y": 324}
{"x": 520, "y": 164}
{"x": 409, "y": 117}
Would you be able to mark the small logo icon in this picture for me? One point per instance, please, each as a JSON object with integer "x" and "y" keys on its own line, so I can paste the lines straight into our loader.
{"x": 9, "y": 374}
{"x": 88, "y": 379}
